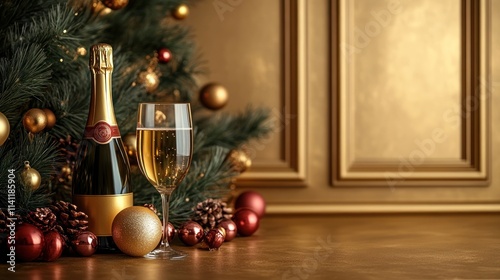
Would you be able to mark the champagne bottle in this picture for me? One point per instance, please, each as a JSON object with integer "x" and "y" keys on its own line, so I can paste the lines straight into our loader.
{"x": 101, "y": 177}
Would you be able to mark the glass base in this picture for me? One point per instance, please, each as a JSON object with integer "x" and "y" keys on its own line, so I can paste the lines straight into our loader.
{"x": 165, "y": 253}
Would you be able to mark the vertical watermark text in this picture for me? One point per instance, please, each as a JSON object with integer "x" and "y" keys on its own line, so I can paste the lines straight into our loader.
{"x": 11, "y": 220}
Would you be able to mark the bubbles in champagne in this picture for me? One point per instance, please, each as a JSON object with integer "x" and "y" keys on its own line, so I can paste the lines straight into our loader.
{"x": 164, "y": 155}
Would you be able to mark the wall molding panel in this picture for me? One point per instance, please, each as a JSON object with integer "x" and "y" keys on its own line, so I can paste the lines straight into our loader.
{"x": 357, "y": 89}
{"x": 290, "y": 170}
{"x": 471, "y": 166}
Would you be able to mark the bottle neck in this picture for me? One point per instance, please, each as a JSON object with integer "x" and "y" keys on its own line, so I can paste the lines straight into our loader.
{"x": 101, "y": 103}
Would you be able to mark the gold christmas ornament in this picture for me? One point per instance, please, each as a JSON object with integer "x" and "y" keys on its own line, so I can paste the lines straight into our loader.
{"x": 129, "y": 141}
{"x": 213, "y": 96}
{"x": 150, "y": 80}
{"x": 66, "y": 170}
{"x": 51, "y": 118}
{"x": 4, "y": 129}
{"x": 181, "y": 12}
{"x": 240, "y": 161}
{"x": 136, "y": 230}
{"x": 35, "y": 120}
{"x": 99, "y": 8}
{"x": 30, "y": 177}
{"x": 81, "y": 51}
{"x": 115, "y": 4}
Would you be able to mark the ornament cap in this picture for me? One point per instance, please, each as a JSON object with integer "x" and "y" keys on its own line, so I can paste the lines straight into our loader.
{"x": 101, "y": 58}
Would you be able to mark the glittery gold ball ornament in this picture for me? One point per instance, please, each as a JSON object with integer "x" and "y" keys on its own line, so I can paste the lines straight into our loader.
{"x": 181, "y": 12}
{"x": 35, "y": 120}
{"x": 129, "y": 141}
{"x": 150, "y": 80}
{"x": 240, "y": 161}
{"x": 213, "y": 96}
{"x": 136, "y": 230}
{"x": 30, "y": 177}
{"x": 51, "y": 118}
{"x": 115, "y": 4}
{"x": 4, "y": 129}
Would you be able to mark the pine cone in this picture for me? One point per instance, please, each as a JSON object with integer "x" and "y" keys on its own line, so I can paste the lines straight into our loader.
{"x": 63, "y": 177}
{"x": 42, "y": 218}
{"x": 70, "y": 221}
{"x": 210, "y": 212}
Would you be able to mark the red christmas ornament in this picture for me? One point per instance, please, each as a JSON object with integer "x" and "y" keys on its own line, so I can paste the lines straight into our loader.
{"x": 214, "y": 239}
{"x": 170, "y": 232}
{"x": 85, "y": 243}
{"x": 251, "y": 200}
{"x": 190, "y": 233}
{"x": 246, "y": 220}
{"x": 164, "y": 55}
{"x": 230, "y": 228}
{"x": 54, "y": 246}
{"x": 29, "y": 242}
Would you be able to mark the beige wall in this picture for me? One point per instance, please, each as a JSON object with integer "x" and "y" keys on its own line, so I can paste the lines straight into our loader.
{"x": 355, "y": 109}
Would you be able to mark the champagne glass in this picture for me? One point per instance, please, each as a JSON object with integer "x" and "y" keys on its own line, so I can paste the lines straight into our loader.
{"x": 164, "y": 152}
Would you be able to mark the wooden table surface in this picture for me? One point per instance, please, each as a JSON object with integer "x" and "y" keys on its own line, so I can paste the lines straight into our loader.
{"x": 410, "y": 246}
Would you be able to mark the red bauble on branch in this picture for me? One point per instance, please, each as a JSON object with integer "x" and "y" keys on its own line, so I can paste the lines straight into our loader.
{"x": 251, "y": 200}
{"x": 29, "y": 242}
{"x": 247, "y": 221}
{"x": 164, "y": 55}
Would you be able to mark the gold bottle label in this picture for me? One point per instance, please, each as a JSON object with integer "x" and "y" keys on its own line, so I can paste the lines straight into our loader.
{"x": 102, "y": 209}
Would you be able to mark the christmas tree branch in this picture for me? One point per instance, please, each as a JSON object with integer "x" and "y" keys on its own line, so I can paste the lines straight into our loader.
{"x": 41, "y": 153}
{"x": 231, "y": 131}
{"x": 22, "y": 77}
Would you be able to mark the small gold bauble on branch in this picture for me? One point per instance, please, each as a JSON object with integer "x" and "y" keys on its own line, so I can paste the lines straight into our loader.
{"x": 181, "y": 12}
{"x": 129, "y": 141}
{"x": 30, "y": 177}
{"x": 35, "y": 120}
{"x": 51, "y": 118}
{"x": 81, "y": 51}
{"x": 115, "y": 4}
{"x": 66, "y": 170}
{"x": 4, "y": 129}
{"x": 213, "y": 96}
{"x": 99, "y": 8}
{"x": 150, "y": 80}
{"x": 136, "y": 230}
{"x": 240, "y": 161}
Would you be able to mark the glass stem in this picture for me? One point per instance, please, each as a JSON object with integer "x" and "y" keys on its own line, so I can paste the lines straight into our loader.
{"x": 165, "y": 199}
